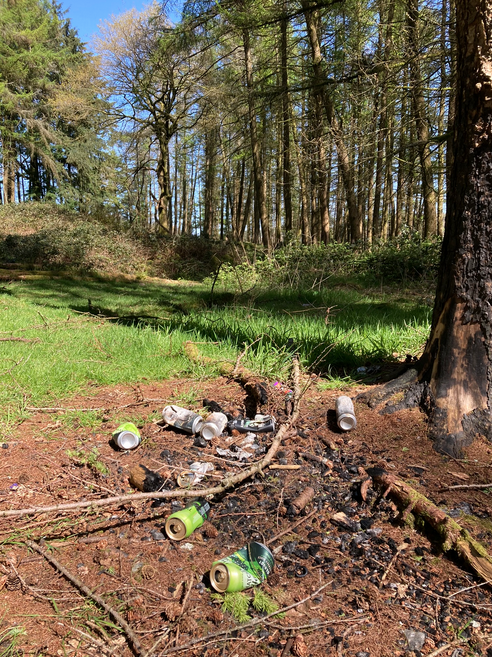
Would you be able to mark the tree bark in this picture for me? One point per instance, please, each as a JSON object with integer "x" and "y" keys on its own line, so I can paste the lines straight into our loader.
{"x": 320, "y": 79}
{"x": 453, "y": 379}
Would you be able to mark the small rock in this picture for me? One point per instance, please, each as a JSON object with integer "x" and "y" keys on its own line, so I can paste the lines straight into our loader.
{"x": 157, "y": 535}
{"x": 415, "y": 639}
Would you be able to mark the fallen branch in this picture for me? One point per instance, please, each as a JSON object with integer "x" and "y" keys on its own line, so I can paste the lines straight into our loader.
{"x": 240, "y": 628}
{"x": 466, "y": 486}
{"x": 131, "y": 636}
{"x": 453, "y": 536}
{"x": 228, "y": 482}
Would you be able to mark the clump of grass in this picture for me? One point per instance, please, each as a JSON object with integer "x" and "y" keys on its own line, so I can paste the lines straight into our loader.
{"x": 90, "y": 458}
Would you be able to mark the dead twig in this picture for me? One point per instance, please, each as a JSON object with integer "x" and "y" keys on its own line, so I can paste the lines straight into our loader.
{"x": 240, "y": 628}
{"x": 227, "y": 482}
{"x": 290, "y": 529}
{"x": 466, "y": 486}
{"x": 131, "y": 636}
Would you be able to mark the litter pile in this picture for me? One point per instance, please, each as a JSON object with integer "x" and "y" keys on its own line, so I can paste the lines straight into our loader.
{"x": 296, "y": 551}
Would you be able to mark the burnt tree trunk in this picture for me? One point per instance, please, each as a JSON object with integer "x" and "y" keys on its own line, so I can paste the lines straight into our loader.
{"x": 453, "y": 379}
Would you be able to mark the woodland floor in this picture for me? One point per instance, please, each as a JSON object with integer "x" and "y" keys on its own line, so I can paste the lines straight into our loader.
{"x": 383, "y": 580}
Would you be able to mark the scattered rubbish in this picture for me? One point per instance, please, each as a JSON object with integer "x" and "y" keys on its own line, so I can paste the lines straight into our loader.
{"x": 284, "y": 390}
{"x": 260, "y": 424}
{"x": 145, "y": 480}
{"x": 126, "y": 436}
{"x": 213, "y": 426}
{"x": 344, "y": 408}
{"x": 239, "y": 454}
{"x": 181, "y": 524}
{"x": 182, "y": 418}
{"x": 186, "y": 546}
{"x": 194, "y": 475}
{"x": 247, "y": 567}
{"x": 14, "y": 486}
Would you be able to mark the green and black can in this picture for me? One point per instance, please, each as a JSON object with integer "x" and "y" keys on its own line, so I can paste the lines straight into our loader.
{"x": 247, "y": 567}
{"x": 183, "y": 523}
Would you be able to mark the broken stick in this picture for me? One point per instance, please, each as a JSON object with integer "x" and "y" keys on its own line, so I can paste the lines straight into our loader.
{"x": 453, "y": 536}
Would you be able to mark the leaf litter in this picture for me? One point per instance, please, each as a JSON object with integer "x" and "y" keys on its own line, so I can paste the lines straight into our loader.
{"x": 348, "y": 571}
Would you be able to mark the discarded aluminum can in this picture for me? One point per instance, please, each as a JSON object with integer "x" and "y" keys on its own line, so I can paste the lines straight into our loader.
{"x": 247, "y": 567}
{"x": 214, "y": 425}
{"x": 182, "y": 418}
{"x": 181, "y": 524}
{"x": 261, "y": 424}
{"x": 344, "y": 408}
{"x": 126, "y": 436}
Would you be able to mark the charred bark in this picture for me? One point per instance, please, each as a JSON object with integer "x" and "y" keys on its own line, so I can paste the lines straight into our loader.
{"x": 453, "y": 379}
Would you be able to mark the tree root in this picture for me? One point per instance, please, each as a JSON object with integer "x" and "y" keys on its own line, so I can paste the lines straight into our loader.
{"x": 408, "y": 382}
{"x": 452, "y": 535}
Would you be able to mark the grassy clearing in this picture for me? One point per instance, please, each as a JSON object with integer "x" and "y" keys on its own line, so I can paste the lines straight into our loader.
{"x": 82, "y": 332}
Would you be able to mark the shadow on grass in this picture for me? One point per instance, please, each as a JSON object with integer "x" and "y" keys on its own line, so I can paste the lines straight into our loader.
{"x": 321, "y": 326}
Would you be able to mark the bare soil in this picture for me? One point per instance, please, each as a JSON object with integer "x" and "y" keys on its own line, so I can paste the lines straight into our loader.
{"x": 382, "y": 579}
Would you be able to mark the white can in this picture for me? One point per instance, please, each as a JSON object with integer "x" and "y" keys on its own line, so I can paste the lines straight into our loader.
{"x": 344, "y": 408}
{"x": 214, "y": 425}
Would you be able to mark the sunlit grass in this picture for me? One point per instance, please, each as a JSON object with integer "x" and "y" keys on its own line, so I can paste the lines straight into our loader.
{"x": 76, "y": 334}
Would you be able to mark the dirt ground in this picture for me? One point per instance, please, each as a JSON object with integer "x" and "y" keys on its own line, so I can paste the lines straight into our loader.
{"x": 386, "y": 588}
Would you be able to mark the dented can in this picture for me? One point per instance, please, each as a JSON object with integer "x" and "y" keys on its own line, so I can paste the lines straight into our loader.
{"x": 182, "y": 418}
{"x": 247, "y": 567}
{"x": 183, "y": 523}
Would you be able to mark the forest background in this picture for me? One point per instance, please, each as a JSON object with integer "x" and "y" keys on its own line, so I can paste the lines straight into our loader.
{"x": 295, "y": 150}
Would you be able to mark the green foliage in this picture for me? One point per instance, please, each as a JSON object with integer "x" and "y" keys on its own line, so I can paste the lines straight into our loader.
{"x": 316, "y": 267}
{"x": 405, "y": 259}
{"x": 263, "y": 603}
{"x": 88, "y": 457}
{"x": 235, "y": 603}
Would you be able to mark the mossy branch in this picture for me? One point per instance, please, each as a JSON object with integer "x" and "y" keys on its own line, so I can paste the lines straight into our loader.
{"x": 452, "y": 535}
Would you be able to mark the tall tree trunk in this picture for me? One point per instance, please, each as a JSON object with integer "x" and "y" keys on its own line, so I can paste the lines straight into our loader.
{"x": 421, "y": 121}
{"x": 320, "y": 78}
{"x": 261, "y": 218}
{"x": 287, "y": 189}
{"x": 164, "y": 181}
{"x": 211, "y": 141}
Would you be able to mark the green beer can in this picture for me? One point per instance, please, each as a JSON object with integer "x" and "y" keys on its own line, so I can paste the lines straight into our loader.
{"x": 247, "y": 567}
{"x": 183, "y": 523}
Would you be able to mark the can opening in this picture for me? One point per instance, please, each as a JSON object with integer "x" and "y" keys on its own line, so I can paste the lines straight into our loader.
{"x": 175, "y": 529}
{"x": 219, "y": 577}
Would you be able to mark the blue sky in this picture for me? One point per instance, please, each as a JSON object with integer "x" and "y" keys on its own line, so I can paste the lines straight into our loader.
{"x": 85, "y": 15}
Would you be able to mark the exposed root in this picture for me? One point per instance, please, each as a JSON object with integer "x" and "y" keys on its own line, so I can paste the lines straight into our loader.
{"x": 382, "y": 394}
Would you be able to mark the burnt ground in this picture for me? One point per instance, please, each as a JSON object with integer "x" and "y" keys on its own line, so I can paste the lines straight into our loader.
{"x": 388, "y": 589}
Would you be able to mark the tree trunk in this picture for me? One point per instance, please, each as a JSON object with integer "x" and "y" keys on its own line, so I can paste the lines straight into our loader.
{"x": 421, "y": 122}
{"x": 320, "y": 77}
{"x": 163, "y": 178}
{"x": 261, "y": 218}
{"x": 453, "y": 380}
{"x": 287, "y": 190}
{"x": 458, "y": 355}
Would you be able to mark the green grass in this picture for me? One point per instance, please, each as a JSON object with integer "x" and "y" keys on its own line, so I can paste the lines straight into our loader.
{"x": 135, "y": 331}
